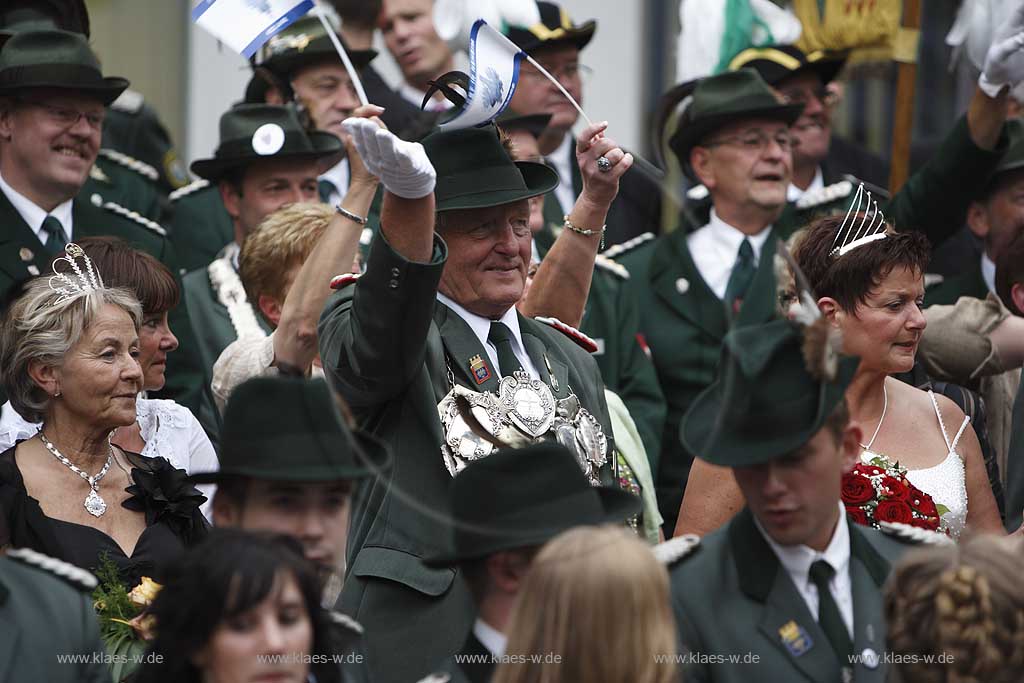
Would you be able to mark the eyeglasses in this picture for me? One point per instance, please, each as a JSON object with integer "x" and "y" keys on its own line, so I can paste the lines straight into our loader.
{"x": 754, "y": 141}
{"x": 804, "y": 95}
{"x": 67, "y": 117}
{"x": 568, "y": 71}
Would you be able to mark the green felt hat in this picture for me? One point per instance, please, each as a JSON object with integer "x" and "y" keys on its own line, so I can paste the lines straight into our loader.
{"x": 474, "y": 171}
{"x": 764, "y": 403}
{"x": 554, "y": 30}
{"x": 289, "y": 429}
{"x": 55, "y": 59}
{"x": 1013, "y": 158}
{"x": 256, "y": 132}
{"x": 34, "y": 15}
{"x": 521, "y": 497}
{"x": 723, "y": 99}
{"x": 776, "y": 63}
{"x": 534, "y": 124}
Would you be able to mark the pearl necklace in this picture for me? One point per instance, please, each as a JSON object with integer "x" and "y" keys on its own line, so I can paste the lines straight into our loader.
{"x": 94, "y": 504}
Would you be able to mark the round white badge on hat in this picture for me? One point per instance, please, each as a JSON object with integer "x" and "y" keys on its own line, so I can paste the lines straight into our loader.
{"x": 268, "y": 139}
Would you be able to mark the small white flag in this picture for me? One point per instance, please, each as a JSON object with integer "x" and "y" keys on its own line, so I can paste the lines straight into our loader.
{"x": 493, "y": 75}
{"x": 245, "y": 25}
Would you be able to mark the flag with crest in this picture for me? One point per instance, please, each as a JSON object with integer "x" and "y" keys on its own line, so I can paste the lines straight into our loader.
{"x": 245, "y": 25}
{"x": 493, "y": 74}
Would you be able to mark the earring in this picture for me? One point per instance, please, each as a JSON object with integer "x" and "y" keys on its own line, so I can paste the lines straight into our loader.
{"x": 56, "y": 394}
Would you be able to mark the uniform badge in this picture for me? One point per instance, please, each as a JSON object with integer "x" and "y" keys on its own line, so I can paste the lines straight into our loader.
{"x": 33, "y": 270}
{"x": 481, "y": 371}
{"x": 26, "y": 254}
{"x": 795, "y": 638}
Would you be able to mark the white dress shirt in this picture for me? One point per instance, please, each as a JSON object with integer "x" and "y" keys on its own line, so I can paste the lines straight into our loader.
{"x": 415, "y": 95}
{"x": 794, "y": 193}
{"x": 338, "y": 176}
{"x": 481, "y": 327}
{"x": 561, "y": 160}
{"x": 34, "y": 216}
{"x": 715, "y": 247}
{"x": 988, "y": 272}
{"x": 797, "y": 561}
{"x": 494, "y": 640}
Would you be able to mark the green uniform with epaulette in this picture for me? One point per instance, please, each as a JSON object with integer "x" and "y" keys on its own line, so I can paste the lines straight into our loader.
{"x": 127, "y": 186}
{"x": 133, "y": 128}
{"x": 46, "y": 616}
{"x": 199, "y": 225}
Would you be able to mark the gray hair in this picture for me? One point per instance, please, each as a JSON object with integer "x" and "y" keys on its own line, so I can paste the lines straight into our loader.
{"x": 37, "y": 329}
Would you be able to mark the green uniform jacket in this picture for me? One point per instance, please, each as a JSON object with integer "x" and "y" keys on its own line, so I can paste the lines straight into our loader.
{"x": 476, "y": 666}
{"x": 93, "y": 216}
{"x": 949, "y": 291}
{"x": 43, "y": 617}
{"x": 125, "y": 186}
{"x": 388, "y": 348}
{"x": 199, "y": 224}
{"x": 732, "y": 597}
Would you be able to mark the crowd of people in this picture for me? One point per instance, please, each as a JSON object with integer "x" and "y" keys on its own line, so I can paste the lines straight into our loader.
{"x": 376, "y": 400}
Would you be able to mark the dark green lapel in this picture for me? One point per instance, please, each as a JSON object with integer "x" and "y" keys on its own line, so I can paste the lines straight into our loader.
{"x": 676, "y": 280}
{"x": 462, "y": 346}
{"x": 17, "y": 241}
{"x": 553, "y": 371}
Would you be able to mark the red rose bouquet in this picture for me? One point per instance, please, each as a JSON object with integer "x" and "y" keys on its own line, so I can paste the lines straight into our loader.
{"x": 879, "y": 491}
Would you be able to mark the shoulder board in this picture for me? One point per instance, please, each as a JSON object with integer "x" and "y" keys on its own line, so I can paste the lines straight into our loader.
{"x": 697, "y": 193}
{"x": 74, "y": 575}
{"x": 185, "y": 191}
{"x": 913, "y": 534}
{"x": 436, "y": 678}
{"x": 588, "y": 344}
{"x": 344, "y": 280}
{"x": 933, "y": 279}
{"x": 130, "y": 102}
{"x": 133, "y": 216}
{"x": 675, "y": 549}
{"x": 96, "y": 173}
{"x": 140, "y": 167}
{"x": 628, "y": 245}
{"x": 605, "y": 263}
{"x": 346, "y": 621}
{"x": 825, "y": 195}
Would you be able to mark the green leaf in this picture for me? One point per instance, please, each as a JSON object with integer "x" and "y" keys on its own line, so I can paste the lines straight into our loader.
{"x": 942, "y": 509}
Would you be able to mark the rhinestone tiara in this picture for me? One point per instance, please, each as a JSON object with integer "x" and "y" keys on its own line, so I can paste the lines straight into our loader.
{"x": 71, "y": 284}
{"x": 864, "y": 223}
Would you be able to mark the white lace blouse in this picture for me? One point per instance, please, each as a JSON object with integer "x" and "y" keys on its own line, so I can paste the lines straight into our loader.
{"x": 170, "y": 431}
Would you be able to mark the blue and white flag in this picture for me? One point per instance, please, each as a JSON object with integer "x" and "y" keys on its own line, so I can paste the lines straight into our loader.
{"x": 245, "y": 25}
{"x": 493, "y": 75}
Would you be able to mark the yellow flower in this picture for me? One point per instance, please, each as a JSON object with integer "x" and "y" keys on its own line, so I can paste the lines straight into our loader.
{"x": 145, "y": 592}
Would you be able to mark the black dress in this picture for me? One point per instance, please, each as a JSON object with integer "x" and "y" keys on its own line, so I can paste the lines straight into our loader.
{"x": 160, "y": 491}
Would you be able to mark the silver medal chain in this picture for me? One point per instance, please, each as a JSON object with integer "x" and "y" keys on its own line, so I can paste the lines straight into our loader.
{"x": 99, "y": 507}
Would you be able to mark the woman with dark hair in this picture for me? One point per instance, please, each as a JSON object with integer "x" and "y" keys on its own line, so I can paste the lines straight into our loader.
{"x": 244, "y": 606}
{"x": 162, "y": 428}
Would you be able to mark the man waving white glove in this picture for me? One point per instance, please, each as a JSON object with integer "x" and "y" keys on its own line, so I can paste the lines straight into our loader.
{"x": 1004, "y": 62}
{"x": 403, "y": 167}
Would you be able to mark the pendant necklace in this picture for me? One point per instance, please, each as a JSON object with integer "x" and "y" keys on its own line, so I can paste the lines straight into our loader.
{"x": 94, "y": 504}
{"x": 885, "y": 405}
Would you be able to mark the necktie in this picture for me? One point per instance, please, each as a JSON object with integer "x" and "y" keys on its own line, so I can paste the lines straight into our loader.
{"x": 56, "y": 238}
{"x": 742, "y": 275}
{"x": 501, "y": 337}
{"x": 325, "y": 188}
{"x": 829, "y": 617}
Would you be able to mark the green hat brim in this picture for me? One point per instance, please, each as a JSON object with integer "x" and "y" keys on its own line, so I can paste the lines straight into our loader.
{"x": 617, "y": 505}
{"x": 538, "y": 178}
{"x": 703, "y": 435}
{"x": 373, "y": 457}
{"x": 326, "y": 147}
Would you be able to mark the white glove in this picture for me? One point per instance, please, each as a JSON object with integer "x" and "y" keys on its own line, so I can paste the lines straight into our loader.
{"x": 403, "y": 167}
{"x": 1004, "y": 63}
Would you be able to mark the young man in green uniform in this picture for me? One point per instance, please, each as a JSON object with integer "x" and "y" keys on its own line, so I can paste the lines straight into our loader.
{"x": 789, "y": 590}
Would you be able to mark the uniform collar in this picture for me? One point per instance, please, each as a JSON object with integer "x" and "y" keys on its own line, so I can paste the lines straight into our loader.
{"x": 33, "y": 215}
{"x": 338, "y": 176}
{"x": 797, "y": 559}
{"x": 491, "y": 638}
{"x": 480, "y": 325}
{"x": 727, "y": 240}
{"x": 793, "y": 193}
{"x": 988, "y": 272}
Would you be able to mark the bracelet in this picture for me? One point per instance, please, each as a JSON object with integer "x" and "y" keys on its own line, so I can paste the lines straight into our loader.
{"x": 568, "y": 225}
{"x": 349, "y": 215}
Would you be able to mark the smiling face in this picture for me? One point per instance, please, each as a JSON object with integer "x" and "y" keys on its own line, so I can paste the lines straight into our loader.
{"x": 155, "y": 341}
{"x": 101, "y": 376}
{"x": 796, "y": 497}
{"x": 327, "y": 93}
{"x": 885, "y": 329}
{"x": 268, "y": 643}
{"x": 407, "y": 27}
{"x": 50, "y": 139}
{"x": 265, "y": 187}
{"x": 488, "y": 256}
{"x": 812, "y": 132}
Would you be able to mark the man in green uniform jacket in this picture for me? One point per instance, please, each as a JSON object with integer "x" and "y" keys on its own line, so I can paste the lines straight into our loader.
{"x": 791, "y": 589}
{"x": 433, "y": 317}
{"x": 734, "y": 139}
{"x": 53, "y": 98}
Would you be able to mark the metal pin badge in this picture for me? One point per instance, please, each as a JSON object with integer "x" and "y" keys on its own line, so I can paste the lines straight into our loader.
{"x": 26, "y": 254}
{"x": 682, "y": 285}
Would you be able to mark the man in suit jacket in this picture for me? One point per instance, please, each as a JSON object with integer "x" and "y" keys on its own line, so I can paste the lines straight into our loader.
{"x": 434, "y": 316}
{"x": 53, "y": 100}
{"x": 790, "y": 590}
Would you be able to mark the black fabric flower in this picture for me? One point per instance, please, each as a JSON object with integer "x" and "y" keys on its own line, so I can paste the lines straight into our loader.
{"x": 165, "y": 494}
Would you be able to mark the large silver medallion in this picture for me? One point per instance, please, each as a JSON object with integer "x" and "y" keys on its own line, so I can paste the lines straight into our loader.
{"x": 95, "y": 505}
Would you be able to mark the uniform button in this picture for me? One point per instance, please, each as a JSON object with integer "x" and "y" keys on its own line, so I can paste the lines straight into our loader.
{"x": 395, "y": 272}
{"x": 393, "y": 284}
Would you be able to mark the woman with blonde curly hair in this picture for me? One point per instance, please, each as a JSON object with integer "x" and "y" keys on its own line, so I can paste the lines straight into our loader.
{"x": 962, "y": 607}
{"x": 594, "y": 607}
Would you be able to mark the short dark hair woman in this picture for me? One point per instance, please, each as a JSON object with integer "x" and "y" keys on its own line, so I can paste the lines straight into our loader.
{"x": 241, "y": 606}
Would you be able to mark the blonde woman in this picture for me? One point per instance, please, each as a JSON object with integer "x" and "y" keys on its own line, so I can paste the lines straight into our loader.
{"x": 594, "y": 607}
{"x": 962, "y": 608}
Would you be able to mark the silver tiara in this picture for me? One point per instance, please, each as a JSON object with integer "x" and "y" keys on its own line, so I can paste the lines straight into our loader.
{"x": 69, "y": 287}
{"x": 870, "y": 228}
